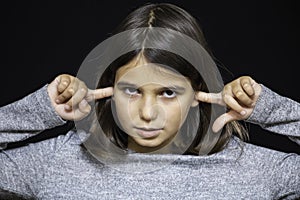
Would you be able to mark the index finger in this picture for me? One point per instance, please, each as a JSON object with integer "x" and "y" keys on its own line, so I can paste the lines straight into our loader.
{"x": 209, "y": 97}
{"x": 99, "y": 93}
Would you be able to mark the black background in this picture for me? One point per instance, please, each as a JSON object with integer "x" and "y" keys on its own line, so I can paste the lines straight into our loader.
{"x": 41, "y": 39}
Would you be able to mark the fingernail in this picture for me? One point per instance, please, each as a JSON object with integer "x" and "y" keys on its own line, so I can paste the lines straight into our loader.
{"x": 67, "y": 107}
{"x": 57, "y": 101}
{"x": 243, "y": 112}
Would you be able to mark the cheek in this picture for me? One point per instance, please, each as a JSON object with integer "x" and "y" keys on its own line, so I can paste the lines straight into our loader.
{"x": 122, "y": 107}
{"x": 126, "y": 110}
{"x": 181, "y": 111}
{"x": 173, "y": 114}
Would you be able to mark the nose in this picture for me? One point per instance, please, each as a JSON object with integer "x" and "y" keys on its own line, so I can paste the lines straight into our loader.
{"x": 147, "y": 109}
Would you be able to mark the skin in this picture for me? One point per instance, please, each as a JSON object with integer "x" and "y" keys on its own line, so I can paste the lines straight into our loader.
{"x": 240, "y": 96}
{"x": 151, "y": 104}
{"x": 146, "y": 106}
{"x": 70, "y": 96}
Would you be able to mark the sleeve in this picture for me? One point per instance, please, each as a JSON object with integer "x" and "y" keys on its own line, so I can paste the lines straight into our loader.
{"x": 28, "y": 116}
{"x": 13, "y": 178}
{"x": 23, "y": 170}
{"x": 278, "y": 114}
{"x": 286, "y": 177}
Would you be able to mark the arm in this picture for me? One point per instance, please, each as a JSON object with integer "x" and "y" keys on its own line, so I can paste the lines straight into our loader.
{"x": 255, "y": 103}
{"x": 277, "y": 114}
{"x": 65, "y": 98}
{"x": 14, "y": 177}
{"x": 22, "y": 170}
{"x": 31, "y": 114}
{"x": 28, "y": 116}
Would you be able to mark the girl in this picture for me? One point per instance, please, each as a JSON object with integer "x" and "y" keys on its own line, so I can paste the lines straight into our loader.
{"x": 151, "y": 105}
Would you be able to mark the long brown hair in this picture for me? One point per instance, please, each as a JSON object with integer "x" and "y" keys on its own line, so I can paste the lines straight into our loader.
{"x": 168, "y": 16}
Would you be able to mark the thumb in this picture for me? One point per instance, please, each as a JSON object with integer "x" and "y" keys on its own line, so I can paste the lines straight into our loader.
{"x": 223, "y": 119}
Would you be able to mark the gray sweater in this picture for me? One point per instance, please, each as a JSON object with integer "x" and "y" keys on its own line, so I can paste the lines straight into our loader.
{"x": 59, "y": 168}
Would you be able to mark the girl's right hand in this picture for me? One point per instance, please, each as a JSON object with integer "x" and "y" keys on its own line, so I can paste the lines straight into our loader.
{"x": 70, "y": 96}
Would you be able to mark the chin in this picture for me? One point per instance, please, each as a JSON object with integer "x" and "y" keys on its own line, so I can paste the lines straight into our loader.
{"x": 148, "y": 143}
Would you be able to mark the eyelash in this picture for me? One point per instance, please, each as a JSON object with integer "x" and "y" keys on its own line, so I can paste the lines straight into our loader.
{"x": 136, "y": 92}
{"x": 174, "y": 94}
{"x": 126, "y": 91}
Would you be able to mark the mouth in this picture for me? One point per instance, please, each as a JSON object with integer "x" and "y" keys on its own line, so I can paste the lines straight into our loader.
{"x": 146, "y": 132}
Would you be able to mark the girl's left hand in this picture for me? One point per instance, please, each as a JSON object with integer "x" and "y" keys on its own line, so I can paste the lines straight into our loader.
{"x": 239, "y": 96}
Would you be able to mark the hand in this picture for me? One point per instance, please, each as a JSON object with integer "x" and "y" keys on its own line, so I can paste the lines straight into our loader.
{"x": 239, "y": 96}
{"x": 70, "y": 96}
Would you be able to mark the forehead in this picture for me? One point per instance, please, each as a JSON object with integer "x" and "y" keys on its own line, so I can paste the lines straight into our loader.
{"x": 141, "y": 73}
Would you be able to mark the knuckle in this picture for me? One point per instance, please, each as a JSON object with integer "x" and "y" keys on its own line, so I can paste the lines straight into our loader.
{"x": 239, "y": 94}
{"x": 83, "y": 90}
{"x": 226, "y": 87}
{"x": 226, "y": 97}
{"x": 209, "y": 97}
{"x": 104, "y": 93}
{"x": 71, "y": 91}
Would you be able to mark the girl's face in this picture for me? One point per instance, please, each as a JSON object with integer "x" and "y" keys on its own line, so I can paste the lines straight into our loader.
{"x": 151, "y": 104}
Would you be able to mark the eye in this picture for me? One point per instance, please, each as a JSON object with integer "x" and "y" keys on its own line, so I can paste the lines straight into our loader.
{"x": 168, "y": 94}
{"x": 131, "y": 91}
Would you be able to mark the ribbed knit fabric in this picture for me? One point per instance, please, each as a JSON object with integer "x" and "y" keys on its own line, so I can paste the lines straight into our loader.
{"x": 60, "y": 168}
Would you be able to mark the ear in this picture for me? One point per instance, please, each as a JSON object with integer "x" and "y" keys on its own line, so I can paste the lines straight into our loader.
{"x": 195, "y": 102}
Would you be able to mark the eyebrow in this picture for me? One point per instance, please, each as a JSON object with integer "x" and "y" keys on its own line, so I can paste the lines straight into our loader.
{"x": 126, "y": 84}
{"x": 170, "y": 87}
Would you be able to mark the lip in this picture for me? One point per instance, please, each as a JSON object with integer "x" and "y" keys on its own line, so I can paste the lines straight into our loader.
{"x": 148, "y": 132}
